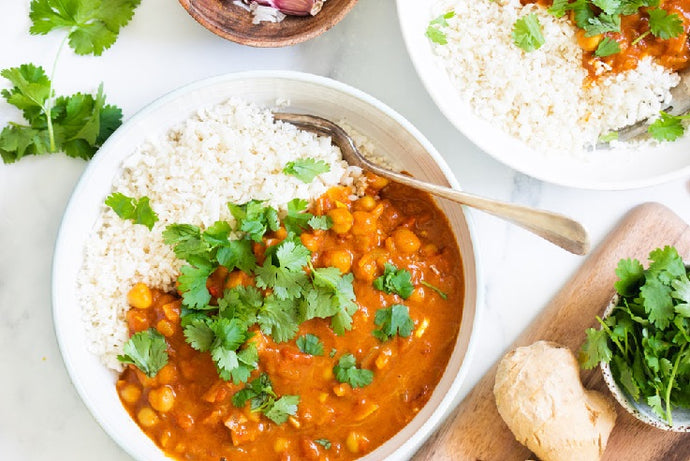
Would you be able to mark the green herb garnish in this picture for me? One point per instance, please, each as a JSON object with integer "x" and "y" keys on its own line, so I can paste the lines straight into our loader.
{"x": 667, "y": 127}
{"x": 434, "y": 32}
{"x": 394, "y": 280}
{"x": 607, "y": 47}
{"x": 146, "y": 350}
{"x": 259, "y": 392}
{"x": 527, "y": 33}
{"x": 393, "y": 320}
{"x": 310, "y": 344}
{"x": 346, "y": 371}
{"x": 136, "y": 210}
{"x": 645, "y": 338}
{"x": 306, "y": 169}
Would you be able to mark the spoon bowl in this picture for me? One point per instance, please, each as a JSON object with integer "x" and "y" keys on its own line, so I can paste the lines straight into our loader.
{"x": 556, "y": 228}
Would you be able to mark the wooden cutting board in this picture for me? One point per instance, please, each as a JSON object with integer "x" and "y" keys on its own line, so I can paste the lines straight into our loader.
{"x": 475, "y": 430}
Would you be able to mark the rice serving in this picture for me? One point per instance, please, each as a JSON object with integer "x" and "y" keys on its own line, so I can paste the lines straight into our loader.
{"x": 542, "y": 96}
{"x": 232, "y": 152}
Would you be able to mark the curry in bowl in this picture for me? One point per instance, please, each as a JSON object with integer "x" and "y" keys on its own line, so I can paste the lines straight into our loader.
{"x": 287, "y": 307}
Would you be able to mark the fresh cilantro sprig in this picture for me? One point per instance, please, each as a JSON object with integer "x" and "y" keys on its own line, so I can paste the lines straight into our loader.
{"x": 346, "y": 371}
{"x": 79, "y": 124}
{"x": 394, "y": 320}
{"x": 92, "y": 26}
{"x": 527, "y": 33}
{"x": 255, "y": 219}
{"x": 138, "y": 211}
{"x": 434, "y": 30}
{"x": 310, "y": 344}
{"x": 298, "y": 219}
{"x": 645, "y": 339}
{"x": 306, "y": 169}
{"x": 262, "y": 398}
{"x": 667, "y": 127}
{"x": 146, "y": 350}
{"x": 394, "y": 280}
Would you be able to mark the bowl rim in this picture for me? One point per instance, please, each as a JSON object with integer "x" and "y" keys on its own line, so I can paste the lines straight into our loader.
{"x": 639, "y": 410}
{"x": 270, "y": 42}
{"x": 449, "y": 400}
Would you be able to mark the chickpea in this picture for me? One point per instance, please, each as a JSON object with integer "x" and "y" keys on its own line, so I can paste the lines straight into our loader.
{"x": 356, "y": 442}
{"x": 311, "y": 241}
{"x": 162, "y": 399}
{"x": 364, "y": 223}
{"x": 140, "y": 296}
{"x": 167, "y": 374}
{"x": 588, "y": 43}
{"x": 342, "y": 220}
{"x": 405, "y": 240}
{"x": 147, "y": 417}
{"x": 130, "y": 393}
{"x": 365, "y": 269}
{"x": 366, "y": 203}
{"x": 342, "y": 259}
{"x": 377, "y": 182}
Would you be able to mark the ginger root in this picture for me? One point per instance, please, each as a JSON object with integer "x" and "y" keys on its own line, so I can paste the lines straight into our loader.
{"x": 540, "y": 397}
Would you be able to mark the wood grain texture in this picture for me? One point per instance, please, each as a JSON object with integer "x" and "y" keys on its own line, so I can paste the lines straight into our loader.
{"x": 234, "y": 23}
{"x": 475, "y": 430}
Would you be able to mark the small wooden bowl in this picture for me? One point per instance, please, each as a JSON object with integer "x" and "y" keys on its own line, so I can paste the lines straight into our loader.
{"x": 232, "y": 22}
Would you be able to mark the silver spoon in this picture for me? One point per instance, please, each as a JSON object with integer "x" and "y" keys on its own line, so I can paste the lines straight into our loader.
{"x": 555, "y": 228}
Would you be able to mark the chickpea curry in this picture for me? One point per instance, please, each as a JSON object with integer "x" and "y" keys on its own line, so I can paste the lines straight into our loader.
{"x": 616, "y": 34}
{"x": 318, "y": 336}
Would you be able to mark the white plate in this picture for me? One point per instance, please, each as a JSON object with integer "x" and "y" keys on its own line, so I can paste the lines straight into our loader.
{"x": 389, "y": 132}
{"x": 606, "y": 170}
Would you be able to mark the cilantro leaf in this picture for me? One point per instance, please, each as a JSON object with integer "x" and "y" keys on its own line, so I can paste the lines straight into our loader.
{"x": 608, "y": 6}
{"x": 395, "y": 280}
{"x": 342, "y": 296}
{"x": 285, "y": 406}
{"x": 278, "y": 318}
{"x": 393, "y": 320}
{"x": 136, "y": 210}
{"x": 664, "y": 25}
{"x": 667, "y": 127}
{"x": 527, "y": 33}
{"x": 558, "y": 8}
{"x": 434, "y": 32}
{"x": 320, "y": 222}
{"x": 346, "y": 371}
{"x": 582, "y": 12}
{"x": 199, "y": 334}
{"x": 607, "y": 47}
{"x": 259, "y": 392}
{"x": 237, "y": 254}
{"x": 602, "y": 24}
{"x": 93, "y": 25}
{"x": 657, "y": 302}
{"x": 595, "y": 349}
{"x": 310, "y": 344}
{"x": 147, "y": 351}
{"x": 255, "y": 219}
{"x": 297, "y": 219}
{"x": 241, "y": 303}
{"x": 306, "y": 169}
{"x": 192, "y": 285}
{"x": 630, "y": 277}
{"x": 324, "y": 443}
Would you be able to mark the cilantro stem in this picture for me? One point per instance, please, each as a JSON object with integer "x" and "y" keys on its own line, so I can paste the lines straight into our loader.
{"x": 610, "y": 334}
{"x": 48, "y": 107}
{"x": 670, "y": 385}
{"x": 637, "y": 40}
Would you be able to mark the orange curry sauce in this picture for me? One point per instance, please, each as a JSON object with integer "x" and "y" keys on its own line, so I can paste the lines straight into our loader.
{"x": 673, "y": 53}
{"x": 187, "y": 409}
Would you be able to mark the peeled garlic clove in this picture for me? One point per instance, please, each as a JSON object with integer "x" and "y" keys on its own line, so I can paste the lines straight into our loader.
{"x": 293, "y": 7}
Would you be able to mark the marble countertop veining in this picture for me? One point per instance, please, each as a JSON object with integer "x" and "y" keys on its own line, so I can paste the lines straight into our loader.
{"x": 41, "y": 415}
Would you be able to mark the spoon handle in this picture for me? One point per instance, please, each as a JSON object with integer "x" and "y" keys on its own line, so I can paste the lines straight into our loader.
{"x": 556, "y": 228}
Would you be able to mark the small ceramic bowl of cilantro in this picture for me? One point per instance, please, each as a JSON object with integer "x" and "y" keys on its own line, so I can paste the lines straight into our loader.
{"x": 643, "y": 344}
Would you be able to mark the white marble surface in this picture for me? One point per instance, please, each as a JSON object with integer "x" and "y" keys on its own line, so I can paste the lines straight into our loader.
{"x": 41, "y": 415}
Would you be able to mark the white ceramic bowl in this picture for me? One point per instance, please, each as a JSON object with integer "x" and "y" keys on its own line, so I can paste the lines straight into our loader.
{"x": 616, "y": 169}
{"x": 389, "y": 132}
{"x": 640, "y": 410}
